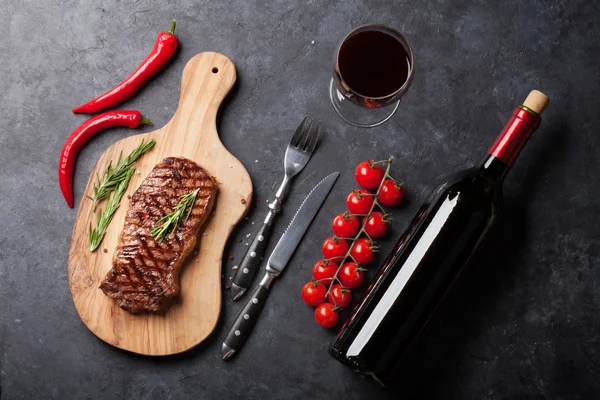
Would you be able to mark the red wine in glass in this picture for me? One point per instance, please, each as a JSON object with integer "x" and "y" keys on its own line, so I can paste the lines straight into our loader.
{"x": 373, "y": 68}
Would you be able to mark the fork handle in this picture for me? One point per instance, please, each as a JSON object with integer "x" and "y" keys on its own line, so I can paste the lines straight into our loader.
{"x": 251, "y": 262}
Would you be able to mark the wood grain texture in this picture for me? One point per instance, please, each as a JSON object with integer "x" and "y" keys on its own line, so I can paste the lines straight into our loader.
{"x": 191, "y": 133}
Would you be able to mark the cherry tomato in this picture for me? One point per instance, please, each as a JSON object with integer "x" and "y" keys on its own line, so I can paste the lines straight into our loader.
{"x": 345, "y": 225}
{"x": 324, "y": 270}
{"x": 391, "y": 193}
{"x": 362, "y": 251}
{"x": 351, "y": 275}
{"x": 339, "y": 296}
{"x": 360, "y": 201}
{"x": 335, "y": 248}
{"x": 368, "y": 174}
{"x": 326, "y": 315}
{"x": 313, "y": 294}
{"x": 377, "y": 225}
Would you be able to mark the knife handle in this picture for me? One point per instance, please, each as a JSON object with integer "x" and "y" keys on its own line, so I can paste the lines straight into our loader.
{"x": 251, "y": 262}
{"x": 245, "y": 321}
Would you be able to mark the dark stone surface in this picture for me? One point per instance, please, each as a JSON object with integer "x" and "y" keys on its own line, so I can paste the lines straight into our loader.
{"x": 522, "y": 323}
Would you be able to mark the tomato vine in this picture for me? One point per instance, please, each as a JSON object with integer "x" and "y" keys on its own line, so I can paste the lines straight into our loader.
{"x": 334, "y": 282}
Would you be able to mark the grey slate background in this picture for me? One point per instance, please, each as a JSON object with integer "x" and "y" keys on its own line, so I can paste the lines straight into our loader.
{"x": 522, "y": 323}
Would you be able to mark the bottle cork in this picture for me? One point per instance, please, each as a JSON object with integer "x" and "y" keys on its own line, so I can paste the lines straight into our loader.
{"x": 536, "y": 101}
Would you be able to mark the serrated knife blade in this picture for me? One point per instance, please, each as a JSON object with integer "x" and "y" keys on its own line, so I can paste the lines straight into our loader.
{"x": 300, "y": 222}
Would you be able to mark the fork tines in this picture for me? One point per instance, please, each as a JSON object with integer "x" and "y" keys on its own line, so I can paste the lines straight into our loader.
{"x": 297, "y": 138}
{"x": 305, "y": 139}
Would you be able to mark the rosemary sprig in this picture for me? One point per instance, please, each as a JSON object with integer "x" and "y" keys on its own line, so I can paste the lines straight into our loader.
{"x": 103, "y": 218}
{"x": 114, "y": 176}
{"x": 171, "y": 222}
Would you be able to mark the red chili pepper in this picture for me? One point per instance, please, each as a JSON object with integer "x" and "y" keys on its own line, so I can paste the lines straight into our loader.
{"x": 83, "y": 133}
{"x": 163, "y": 50}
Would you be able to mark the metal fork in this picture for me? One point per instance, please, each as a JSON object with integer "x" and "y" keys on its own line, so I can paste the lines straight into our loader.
{"x": 298, "y": 152}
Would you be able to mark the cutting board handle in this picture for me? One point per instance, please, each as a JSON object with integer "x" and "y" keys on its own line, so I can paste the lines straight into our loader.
{"x": 207, "y": 78}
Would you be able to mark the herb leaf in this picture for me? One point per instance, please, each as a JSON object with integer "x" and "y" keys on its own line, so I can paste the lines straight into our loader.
{"x": 103, "y": 218}
{"x": 171, "y": 222}
{"x": 114, "y": 176}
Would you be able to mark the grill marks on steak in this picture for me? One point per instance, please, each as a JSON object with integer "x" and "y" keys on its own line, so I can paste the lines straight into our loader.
{"x": 145, "y": 272}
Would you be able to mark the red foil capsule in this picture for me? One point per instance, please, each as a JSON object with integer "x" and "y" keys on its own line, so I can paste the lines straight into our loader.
{"x": 515, "y": 134}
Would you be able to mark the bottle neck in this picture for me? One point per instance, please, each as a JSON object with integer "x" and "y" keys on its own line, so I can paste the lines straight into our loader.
{"x": 509, "y": 143}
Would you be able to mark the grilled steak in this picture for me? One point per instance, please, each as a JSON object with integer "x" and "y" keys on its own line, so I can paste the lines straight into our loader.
{"x": 145, "y": 272}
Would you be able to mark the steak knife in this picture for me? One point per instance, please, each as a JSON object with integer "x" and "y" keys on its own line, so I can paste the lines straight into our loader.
{"x": 245, "y": 321}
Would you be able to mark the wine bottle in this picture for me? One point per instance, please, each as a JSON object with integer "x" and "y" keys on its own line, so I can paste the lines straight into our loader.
{"x": 430, "y": 255}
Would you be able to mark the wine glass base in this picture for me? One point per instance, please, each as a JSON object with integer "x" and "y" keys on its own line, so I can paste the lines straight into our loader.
{"x": 356, "y": 115}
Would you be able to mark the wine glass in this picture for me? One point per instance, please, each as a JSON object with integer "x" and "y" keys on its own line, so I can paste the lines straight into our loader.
{"x": 373, "y": 68}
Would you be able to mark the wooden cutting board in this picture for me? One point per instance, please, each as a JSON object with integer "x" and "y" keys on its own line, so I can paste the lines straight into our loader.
{"x": 191, "y": 133}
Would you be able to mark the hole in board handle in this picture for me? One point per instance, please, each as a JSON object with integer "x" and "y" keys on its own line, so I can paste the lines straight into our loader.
{"x": 215, "y": 70}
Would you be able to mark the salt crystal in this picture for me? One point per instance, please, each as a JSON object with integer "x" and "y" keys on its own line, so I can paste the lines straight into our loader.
{"x": 247, "y": 244}
{"x": 312, "y": 42}
{"x": 230, "y": 166}
{"x": 248, "y": 235}
{"x": 255, "y": 161}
